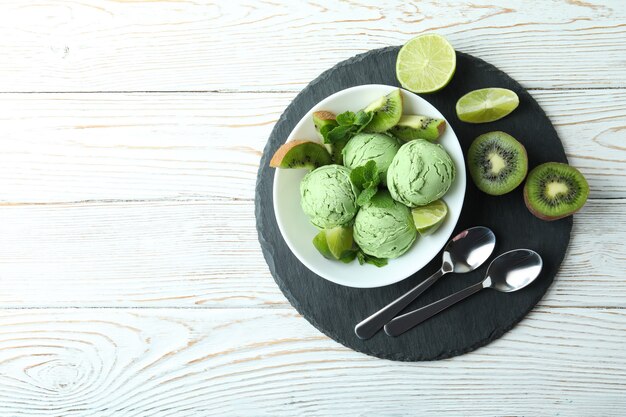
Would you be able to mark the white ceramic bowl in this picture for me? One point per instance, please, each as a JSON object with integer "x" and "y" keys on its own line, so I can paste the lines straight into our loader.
{"x": 298, "y": 232}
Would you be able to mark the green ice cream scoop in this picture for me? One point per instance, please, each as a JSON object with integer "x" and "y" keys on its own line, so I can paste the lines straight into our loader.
{"x": 420, "y": 173}
{"x": 328, "y": 197}
{"x": 384, "y": 228}
{"x": 371, "y": 146}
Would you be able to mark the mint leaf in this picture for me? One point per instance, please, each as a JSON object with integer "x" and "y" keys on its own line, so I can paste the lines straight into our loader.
{"x": 362, "y": 118}
{"x": 366, "y": 195}
{"x": 357, "y": 176}
{"x": 325, "y": 130}
{"x": 339, "y": 134}
{"x": 366, "y": 179}
{"x": 346, "y": 118}
{"x": 371, "y": 172}
{"x": 349, "y": 124}
{"x": 369, "y": 184}
{"x": 379, "y": 262}
{"x": 361, "y": 257}
{"x": 382, "y": 200}
{"x": 364, "y": 258}
{"x": 348, "y": 256}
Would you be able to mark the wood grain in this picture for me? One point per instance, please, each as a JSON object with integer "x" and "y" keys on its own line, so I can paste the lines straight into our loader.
{"x": 168, "y": 362}
{"x": 94, "y": 45}
{"x": 206, "y": 254}
{"x": 77, "y": 147}
{"x": 136, "y": 202}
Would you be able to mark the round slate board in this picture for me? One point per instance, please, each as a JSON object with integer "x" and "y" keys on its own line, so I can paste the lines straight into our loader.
{"x": 335, "y": 309}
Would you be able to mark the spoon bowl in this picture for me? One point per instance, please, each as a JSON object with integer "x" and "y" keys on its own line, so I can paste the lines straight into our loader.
{"x": 513, "y": 270}
{"x": 469, "y": 249}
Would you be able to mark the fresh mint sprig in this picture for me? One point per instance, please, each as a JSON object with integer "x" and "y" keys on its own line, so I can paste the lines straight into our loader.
{"x": 348, "y": 256}
{"x": 363, "y": 258}
{"x": 366, "y": 178}
{"x": 382, "y": 200}
{"x": 349, "y": 124}
{"x": 368, "y": 259}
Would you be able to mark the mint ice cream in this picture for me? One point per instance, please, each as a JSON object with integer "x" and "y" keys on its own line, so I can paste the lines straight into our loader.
{"x": 371, "y": 146}
{"x": 328, "y": 197}
{"x": 384, "y": 228}
{"x": 420, "y": 173}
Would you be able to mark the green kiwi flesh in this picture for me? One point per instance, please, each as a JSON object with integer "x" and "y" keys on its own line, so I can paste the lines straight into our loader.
{"x": 412, "y": 127}
{"x": 301, "y": 154}
{"x": 554, "y": 190}
{"x": 326, "y": 121}
{"x": 323, "y": 118}
{"x": 497, "y": 162}
{"x": 387, "y": 112}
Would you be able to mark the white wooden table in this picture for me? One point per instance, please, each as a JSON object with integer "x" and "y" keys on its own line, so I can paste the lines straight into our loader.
{"x": 131, "y": 279}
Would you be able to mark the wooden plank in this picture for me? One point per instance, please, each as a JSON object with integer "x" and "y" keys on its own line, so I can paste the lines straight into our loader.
{"x": 95, "y": 45}
{"x": 76, "y": 147}
{"x": 206, "y": 254}
{"x": 273, "y": 363}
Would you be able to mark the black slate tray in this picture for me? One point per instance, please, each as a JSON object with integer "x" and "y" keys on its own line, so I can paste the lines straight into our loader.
{"x": 335, "y": 309}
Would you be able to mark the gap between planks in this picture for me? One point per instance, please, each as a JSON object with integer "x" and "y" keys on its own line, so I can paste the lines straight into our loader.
{"x": 236, "y": 91}
{"x": 174, "y": 200}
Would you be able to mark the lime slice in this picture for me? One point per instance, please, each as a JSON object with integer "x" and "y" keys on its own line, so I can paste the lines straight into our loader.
{"x": 428, "y": 218}
{"x": 486, "y": 105}
{"x": 426, "y": 64}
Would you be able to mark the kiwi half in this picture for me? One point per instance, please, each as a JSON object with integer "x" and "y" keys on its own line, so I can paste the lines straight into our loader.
{"x": 554, "y": 190}
{"x": 387, "y": 112}
{"x": 497, "y": 162}
{"x": 411, "y": 127}
{"x": 301, "y": 154}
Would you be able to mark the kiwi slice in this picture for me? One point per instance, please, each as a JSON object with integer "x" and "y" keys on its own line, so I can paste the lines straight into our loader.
{"x": 554, "y": 190}
{"x": 333, "y": 243}
{"x": 497, "y": 162}
{"x": 324, "y": 122}
{"x": 301, "y": 154}
{"x": 418, "y": 127}
{"x": 387, "y": 112}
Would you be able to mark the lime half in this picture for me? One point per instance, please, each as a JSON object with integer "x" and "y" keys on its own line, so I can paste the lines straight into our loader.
{"x": 428, "y": 218}
{"x": 486, "y": 105}
{"x": 426, "y": 64}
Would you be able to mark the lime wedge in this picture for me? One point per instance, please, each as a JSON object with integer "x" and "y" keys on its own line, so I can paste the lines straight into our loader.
{"x": 319, "y": 241}
{"x": 428, "y": 218}
{"x": 426, "y": 64}
{"x": 333, "y": 243}
{"x": 486, "y": 105}
{"x": 339, "y": 240}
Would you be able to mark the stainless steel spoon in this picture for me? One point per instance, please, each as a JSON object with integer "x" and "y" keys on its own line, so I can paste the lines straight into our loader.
{"x": 464, "y": 253}
{"x": 509, "y": 272}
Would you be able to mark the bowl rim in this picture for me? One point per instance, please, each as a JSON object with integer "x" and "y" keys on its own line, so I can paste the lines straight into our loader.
{"x": 456, "y": 215}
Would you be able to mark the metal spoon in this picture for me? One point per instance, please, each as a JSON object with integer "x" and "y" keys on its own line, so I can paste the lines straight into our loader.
{"x": 464, "y": 253}
{"x": 509, "y": 272}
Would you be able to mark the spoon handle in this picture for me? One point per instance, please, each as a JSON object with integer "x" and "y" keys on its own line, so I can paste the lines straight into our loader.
{"x": 371, "y": 325}
{"x": 407, "y": 321}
